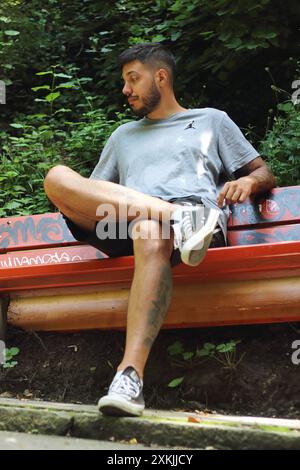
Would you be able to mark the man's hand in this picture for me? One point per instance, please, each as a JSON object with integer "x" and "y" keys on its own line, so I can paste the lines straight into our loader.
{"x": 237, "y": 191}
{"x": 252, "y": 178}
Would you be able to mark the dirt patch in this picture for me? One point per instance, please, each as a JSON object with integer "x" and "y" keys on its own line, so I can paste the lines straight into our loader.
{"x": 78, "y": 368}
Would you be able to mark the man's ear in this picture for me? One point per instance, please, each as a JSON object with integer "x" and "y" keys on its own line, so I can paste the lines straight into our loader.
{"x": 162, "y": 77}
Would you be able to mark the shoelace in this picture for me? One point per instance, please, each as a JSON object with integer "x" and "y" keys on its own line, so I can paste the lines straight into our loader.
{"x": 125, "y": 385}
{"x": 187, "y": 224}
{"x": 185, "y": 228}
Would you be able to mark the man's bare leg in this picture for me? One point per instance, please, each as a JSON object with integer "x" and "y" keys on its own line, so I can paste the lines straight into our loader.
{"x": 149, "y": 299}
{"x": 82, "y": 196}
{"x": 151, "y": 290}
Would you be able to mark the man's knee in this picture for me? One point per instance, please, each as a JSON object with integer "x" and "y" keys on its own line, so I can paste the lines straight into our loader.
{"x": 57, "y": 179}
{"x": 150, "y": 240}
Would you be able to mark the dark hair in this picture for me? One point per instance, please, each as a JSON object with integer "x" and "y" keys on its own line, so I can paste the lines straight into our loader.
{"x": 152, "y": 53}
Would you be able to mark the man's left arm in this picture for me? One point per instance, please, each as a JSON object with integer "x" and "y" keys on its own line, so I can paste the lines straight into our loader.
{"x": 252, "y": 178}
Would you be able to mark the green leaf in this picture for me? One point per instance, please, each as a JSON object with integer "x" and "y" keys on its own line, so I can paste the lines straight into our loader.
{"x": 203, "y": 353}
{"x": 11, "y": 32}
{"x": 4, "y": 19}
{"x": 175, "y": 382}
{"x": 225, "y": 35}
{"x": 175, "y": 348}
{"x": 9, "y": 365}
{"x": 62, "y": 75}
{"x": 234, "y": 43}
{"x": 228, "y": 347}
{"x": 63, "y": 110}
{"x": 13, "y": 351}
{"x": 12, "y": 205}
{"x": 158, "y": 38}
{"x": 52, "y": 96}
{"x": 66, "y": 85}
{"x": 17, "y": 126}
{"x": 46, "y": 135}
{"x": 44, "y": 87}
{"x": 49, "y": 72}
{"x": 37, "y": 116}
{"x": 175, "y": 36}
{"x": 187, "y": 355}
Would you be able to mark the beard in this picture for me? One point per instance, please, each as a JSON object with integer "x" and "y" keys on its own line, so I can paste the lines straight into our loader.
{"x": 150, "y": 102}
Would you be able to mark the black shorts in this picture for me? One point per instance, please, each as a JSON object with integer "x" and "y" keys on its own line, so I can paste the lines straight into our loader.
{"x": 124, "y": 246}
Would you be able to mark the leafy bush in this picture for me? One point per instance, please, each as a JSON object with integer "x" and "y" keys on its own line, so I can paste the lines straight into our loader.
{"x": 45, "y": 139}
{"x": 222, "y": 47}
{"x": 225, "y": 354}
{"x": 281, "y": 145}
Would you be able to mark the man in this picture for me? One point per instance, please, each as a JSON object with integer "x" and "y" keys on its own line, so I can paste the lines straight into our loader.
{"x": 177, "y": 165}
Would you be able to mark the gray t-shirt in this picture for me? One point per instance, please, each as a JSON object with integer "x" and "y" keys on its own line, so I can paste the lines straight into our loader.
{"x": 190, "y": 153}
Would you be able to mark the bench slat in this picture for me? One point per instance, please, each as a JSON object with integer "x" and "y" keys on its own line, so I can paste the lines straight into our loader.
{"x": 68, "y": 254}
{"x": 236, "y": 262}
{"x": 40, "y": 231}
{"x": 281, "y": 205}
{"x": 203, "y": 304}
{"x": 279, "y": 233}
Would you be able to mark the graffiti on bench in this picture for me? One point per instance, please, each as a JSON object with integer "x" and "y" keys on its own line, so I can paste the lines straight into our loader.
{"x": 49, "y": 256}
{"x": 282, "y": 205}
{"x": 46, "y": 229}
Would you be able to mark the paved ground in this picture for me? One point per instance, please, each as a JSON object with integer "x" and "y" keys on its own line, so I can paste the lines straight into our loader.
{"x": 22, "y": 441}
{"x": 157, "y": 429}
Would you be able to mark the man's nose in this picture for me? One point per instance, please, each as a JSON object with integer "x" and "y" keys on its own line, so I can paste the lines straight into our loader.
{"x": 127, "y": 90}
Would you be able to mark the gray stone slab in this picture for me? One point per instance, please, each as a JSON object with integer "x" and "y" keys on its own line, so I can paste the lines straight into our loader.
{"x": 22, "y": 441}
{"x": 160, "y": 428}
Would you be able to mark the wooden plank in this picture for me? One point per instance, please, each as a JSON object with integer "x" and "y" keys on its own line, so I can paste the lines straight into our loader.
{"x": 41, "y": 231}
{"x": 275, "y": 234}
{"x": 281, "y": 205}
{"x": 204, "y": 304}
{"x": 47, "y": 256}
{"x": 235, "y": 262}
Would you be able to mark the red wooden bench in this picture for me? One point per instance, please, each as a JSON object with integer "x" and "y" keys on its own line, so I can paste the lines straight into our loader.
{"x": 49, "y": 281}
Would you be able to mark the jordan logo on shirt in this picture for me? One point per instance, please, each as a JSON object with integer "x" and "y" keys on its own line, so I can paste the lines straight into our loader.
{"x": 190, "y": 126}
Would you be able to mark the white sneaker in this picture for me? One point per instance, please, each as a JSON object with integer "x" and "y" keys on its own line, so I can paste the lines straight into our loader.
{"x": 125, "y": 395}
{"x": 194, "y": 226}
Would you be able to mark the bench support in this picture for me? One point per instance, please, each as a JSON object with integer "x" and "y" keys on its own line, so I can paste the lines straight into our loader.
{"x": 4, "y": 302}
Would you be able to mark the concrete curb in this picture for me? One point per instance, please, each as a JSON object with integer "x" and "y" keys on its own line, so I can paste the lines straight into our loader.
{"x": 154, "y": 428}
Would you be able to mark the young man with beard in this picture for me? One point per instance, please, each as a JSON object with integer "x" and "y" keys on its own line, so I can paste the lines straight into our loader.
{"x": 178, "y": 166}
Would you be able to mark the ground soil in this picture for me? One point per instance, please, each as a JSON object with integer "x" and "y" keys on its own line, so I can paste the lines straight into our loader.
{"x": 78, "y": 367}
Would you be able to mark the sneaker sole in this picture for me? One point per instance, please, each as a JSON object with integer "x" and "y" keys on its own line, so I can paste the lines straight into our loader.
{"x": 191, "y": 254}
{"x": 110, "y": 406}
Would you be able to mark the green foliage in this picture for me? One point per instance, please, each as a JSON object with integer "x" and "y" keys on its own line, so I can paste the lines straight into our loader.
{"x": 281, "y": 145}
{"x": 45, "y": 139}
{"x": 225, "y": 354}
{"x": 64, "y": 113}
{"x": 222, "y": 47}
{"x": 9, "y": 355}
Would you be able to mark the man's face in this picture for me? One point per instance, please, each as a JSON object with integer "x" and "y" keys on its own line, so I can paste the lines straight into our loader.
{"x": 140, "y": 88}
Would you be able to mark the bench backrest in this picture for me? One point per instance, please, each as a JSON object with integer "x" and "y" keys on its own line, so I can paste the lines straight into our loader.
{"x": 45, "y": 238}
{"x": 269, "y": 218}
